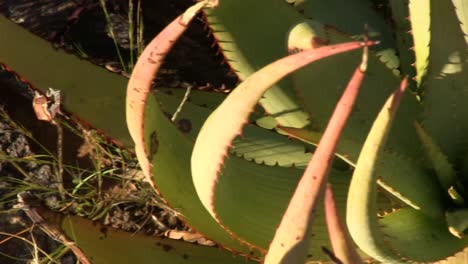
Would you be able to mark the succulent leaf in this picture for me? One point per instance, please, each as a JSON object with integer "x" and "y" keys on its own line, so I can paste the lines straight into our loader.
{"x": 171, "y": 149}
{"x": 100, "y": 92}
{"x": 361, "y": 215}
{"x": 445, "y": 116}
{"x": 420, "y": 18}
{"x": 410, "y": 234}
{"x": 343, "y": 246}
{"x": 404, "y": 39}
{"x": 443, "y": 168}
{"x": 144, "y": 72}
{"x": 461, "y": 8}
{"x": 248, "y": 47}
{"x": 108, "y": 245}
{"x": 291, "y": 239}
{"x": 458, "y": 258}
{"x": 317, "y": 85}
{"x": 210, "y": 149}
{"x": 257, "y": 144}
{"x": 350, "y": 17}
{"x": 457, "y": 221}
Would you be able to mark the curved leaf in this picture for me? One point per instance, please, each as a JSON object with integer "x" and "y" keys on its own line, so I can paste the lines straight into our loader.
{"x": 171, "y": 149}
{"x": 86, "y": 88}
{"x": 106, "y": 245}
{"x": 420, "y": 18}
{"x": 361, "y": 215}
{"x": 445, "y": 87}
{"x": 350, "y": 18}
{"x": 143, "y": 73}
{"x": 211, "y": 146}
{"x": 292, "y": 236}
{"x": 340, "y": 239}
{"x": 248, "y": 47}
{"x": 411, "y": 234}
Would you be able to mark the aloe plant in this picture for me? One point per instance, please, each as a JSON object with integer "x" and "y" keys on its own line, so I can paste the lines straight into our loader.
{"x": 235, "y": 182}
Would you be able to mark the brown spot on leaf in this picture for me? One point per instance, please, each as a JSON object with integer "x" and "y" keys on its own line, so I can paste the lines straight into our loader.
{"x": 185, "y": 256}
{"x": 184, "y": 125}
{"x": 154, "y": 145}
{"x": 166, "y": 247}
{"x": 103, "y": 230}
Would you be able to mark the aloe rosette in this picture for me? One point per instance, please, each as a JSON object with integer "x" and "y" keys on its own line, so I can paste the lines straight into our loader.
{"x": 232, "y": 174}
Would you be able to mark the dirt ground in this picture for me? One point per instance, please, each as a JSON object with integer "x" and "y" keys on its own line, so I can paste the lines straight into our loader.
{"x": 63, "y": 23}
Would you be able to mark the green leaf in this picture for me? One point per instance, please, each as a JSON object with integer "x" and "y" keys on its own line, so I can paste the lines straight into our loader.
{"x": 412, "y": 234}
{"x": 107, "y": 245}
{"x": 248, "y": 47}
{"x": 211, "y": 146}
{"x": 86, "y": 88}
{"x": 458, "y": 258}
{"x": 420, "y": 18}
{"x": 457, "y": 221}
{"x": 340, "y": 239}
{"x": 257, "y": 144}
{"x": 443, "y": 168}
{"x": 350, "y": 17}
{"x": 361, "y": 215}
{"x": 404, "y": 38}
{"x": 145, "y": 70}
{"x": 445, "y": 115}
{"x": 292, "y": 236}
{"x": 461, "y": 8}
{"x": 170, "y": 152}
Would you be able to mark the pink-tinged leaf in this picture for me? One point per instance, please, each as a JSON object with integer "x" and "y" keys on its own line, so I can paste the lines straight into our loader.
{"x": 291, "y": 239}
{"x": 341, "y": 242}
{"x": 226, "y": 122}
{"x": 143, "y": 74}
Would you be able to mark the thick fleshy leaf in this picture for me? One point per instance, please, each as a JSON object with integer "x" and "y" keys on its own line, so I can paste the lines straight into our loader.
{"x": 361, "y": 215}
{"x": 457, "y": 221}
{"x": 291, "y": 239}
{"x": 443, "y": 168}
{"x": 106, "y": 245}
{"x": 404, "y": 38}
{"x": 411, "y": 234}
{"x": 211, "y": 146}
{"x": 445, "y": 116}
{"x": 350, "y": 17}
{"x": 248, "y": 47}
{"x": 318, "y": 85}
{"x": 86, "y": 88}
{"x": 420, "y": 18}
{"x": 458, "y": 258}
{"x": 144, "y": 72}
{"x": 342, "y": 245}
{"x": 257, "y": 144}
{"x": 461, "y": 8}
{"x": 245, "y": 186}
{"x": 171, "y": 149}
